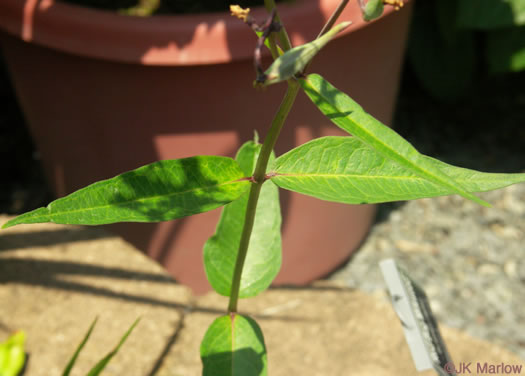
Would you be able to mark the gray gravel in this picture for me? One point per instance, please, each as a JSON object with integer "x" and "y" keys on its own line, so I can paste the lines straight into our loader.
{"x": 469, "y": 259}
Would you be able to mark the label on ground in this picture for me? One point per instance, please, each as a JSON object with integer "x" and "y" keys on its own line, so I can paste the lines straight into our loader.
{"x": 419, "y": 325}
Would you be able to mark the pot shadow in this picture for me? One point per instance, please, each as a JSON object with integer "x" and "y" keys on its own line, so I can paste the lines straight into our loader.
{"x": 47, "y": 273}
{"x": 43, "y": 239}
{"x": 50, "y": 274}
{"x": 172, "y": 339}
{"x": 56, "y": 275}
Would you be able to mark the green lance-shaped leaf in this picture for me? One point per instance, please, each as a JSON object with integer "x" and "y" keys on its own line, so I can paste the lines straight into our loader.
{"x": 373, "y": 9}
{"x": 234, "y": 346}
{"x": 156, "y": 192}
{"x": 295, "y": 60}
{"x": 263, "y": 259}
{"x": 350, "y": 116}
{"x": 344, "y": 169}
{"x": 12, "y": 354}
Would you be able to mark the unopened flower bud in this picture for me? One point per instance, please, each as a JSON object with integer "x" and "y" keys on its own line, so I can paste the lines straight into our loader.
{"x": 373, "y": 9}
{"x": 295, "y": 60}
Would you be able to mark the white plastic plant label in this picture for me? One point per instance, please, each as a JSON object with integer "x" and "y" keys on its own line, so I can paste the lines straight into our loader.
{"x": 419, "y": 325}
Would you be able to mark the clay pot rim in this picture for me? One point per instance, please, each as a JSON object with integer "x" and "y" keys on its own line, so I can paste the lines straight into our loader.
{"x": 206, "y": 38}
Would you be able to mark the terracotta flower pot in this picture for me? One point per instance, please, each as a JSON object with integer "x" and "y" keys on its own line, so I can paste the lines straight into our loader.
{"x": 105, "y": 93}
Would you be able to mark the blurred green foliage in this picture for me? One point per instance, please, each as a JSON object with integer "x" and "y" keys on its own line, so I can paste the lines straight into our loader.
{"x": 12, "y": 354}
{"x": 452, "y": 41}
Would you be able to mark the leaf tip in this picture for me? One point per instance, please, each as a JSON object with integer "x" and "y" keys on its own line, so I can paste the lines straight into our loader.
{"x": 136, "y": 322}
{"x": 477, "y": 200}
{"x": 9, "y": 223}
{"x": 344, "y": 25}
{"x": 485, "y": 203}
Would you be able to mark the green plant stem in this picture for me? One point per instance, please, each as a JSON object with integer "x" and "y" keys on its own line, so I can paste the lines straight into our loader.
{"x": 273, "y": 47}
{"x": 259, "y": 174}
{"x": 333, "y": 18}
{"x": 283, "y": 35}
{"x": 259, "y": 177}
{"x": 243, "y": 245}
{"x": 329, "y": 24}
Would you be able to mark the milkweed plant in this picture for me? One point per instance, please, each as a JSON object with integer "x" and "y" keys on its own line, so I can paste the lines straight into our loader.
{"x": 373, "y": 165}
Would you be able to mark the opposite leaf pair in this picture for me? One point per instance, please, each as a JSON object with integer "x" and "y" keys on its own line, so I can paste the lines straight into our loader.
{"x": 173, "y": 189}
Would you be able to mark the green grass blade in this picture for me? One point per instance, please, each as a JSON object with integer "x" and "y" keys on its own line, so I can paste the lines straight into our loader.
{"x": 234, "y": 346}
{"x": 156, "y": 192}
{"x": 73, "y": 359}
{"x": 99, "y": 367}
{"x": 350, "y": 116}
{"x": 263, "y": 259}
{"x": 344, "y": 169}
